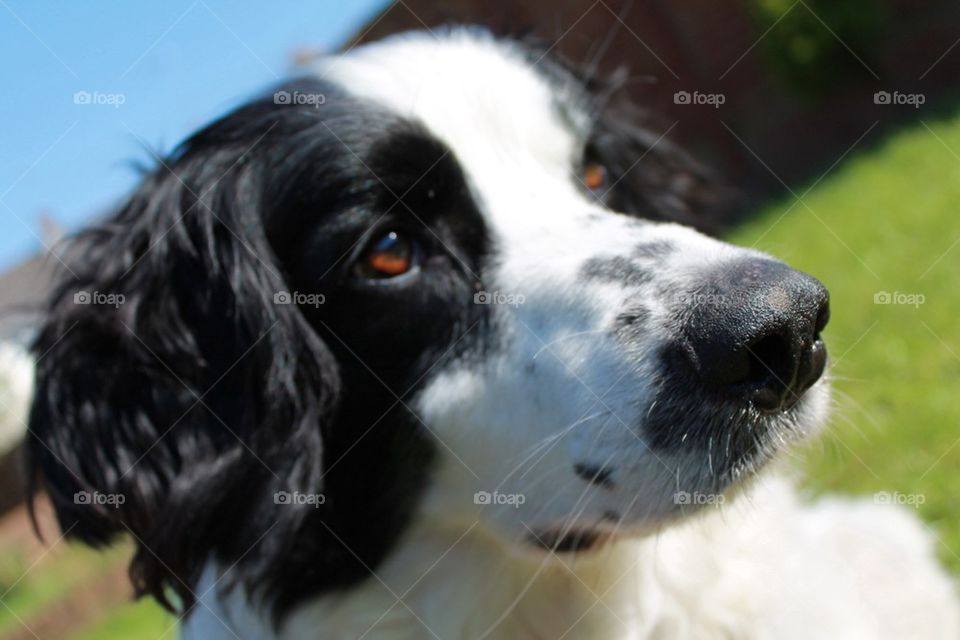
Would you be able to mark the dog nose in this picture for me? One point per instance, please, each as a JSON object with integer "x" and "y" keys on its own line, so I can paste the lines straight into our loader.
{"x": 757, "y": 336}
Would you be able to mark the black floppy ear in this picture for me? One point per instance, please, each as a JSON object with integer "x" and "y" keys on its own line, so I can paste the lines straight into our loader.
{"x": 174, "y": 397}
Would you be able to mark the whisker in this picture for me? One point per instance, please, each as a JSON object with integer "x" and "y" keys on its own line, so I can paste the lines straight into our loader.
{"x": 566, "y": 337}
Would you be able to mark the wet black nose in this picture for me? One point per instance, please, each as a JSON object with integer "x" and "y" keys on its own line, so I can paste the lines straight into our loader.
{"x": 754, "y": 332}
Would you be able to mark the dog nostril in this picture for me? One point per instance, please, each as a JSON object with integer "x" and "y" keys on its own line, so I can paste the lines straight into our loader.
{"x": 770, "y": 372}
{"x": 813, "y": 361}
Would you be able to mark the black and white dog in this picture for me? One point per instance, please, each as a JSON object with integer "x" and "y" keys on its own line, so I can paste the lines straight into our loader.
{"x": 415, "y": 347}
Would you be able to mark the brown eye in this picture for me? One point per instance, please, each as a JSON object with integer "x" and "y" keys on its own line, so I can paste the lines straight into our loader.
{"x": 390, "y": 255}
{"x": 594, "y": 176}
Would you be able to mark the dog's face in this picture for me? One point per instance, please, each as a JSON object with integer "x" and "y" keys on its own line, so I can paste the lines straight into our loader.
{"x": 448, "y": 289}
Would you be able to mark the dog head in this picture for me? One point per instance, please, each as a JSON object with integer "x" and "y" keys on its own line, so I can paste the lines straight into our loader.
{"x": 435, "y": 279}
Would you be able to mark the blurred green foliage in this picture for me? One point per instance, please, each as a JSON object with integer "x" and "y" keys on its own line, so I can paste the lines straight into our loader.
{"x": 813, "y": 46}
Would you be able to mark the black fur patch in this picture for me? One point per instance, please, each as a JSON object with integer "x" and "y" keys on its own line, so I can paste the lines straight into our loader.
{"x": 650, "y": 177}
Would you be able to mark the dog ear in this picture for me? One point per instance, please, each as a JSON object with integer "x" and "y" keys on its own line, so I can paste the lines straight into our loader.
{"x": 177, "y": 390}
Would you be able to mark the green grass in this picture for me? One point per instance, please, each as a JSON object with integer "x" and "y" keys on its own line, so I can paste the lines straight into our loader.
{"x": 142, "y": 620}
{"x": 32, "y": 590}
{"x": 886, "y": 220}
{"x": 29, "y": 590}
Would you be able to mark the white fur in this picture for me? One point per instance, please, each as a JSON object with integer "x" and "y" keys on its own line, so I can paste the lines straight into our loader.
{"x": 16, "y": 386}
{"x": 555, "y": 390}
{"x": 768, "y": 566}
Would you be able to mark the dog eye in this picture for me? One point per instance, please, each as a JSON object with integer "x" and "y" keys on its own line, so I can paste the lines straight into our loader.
{"x": 390, "y": 254}
{"x": 594, "y": 175}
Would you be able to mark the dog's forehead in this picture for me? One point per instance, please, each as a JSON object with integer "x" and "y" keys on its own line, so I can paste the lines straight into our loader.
{"x": 488, "y": 99}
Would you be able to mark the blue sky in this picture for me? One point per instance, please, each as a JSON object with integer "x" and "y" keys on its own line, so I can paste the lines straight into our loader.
{"x": 153, "y": 72}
